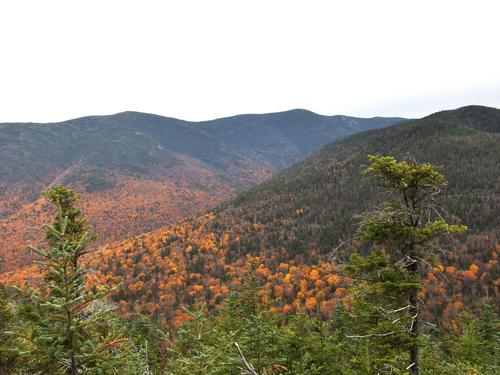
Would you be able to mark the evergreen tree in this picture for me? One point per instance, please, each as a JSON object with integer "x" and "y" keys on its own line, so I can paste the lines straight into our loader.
{"x": 405, "y": 228}
{"x": 479, "y": 341}
{"x": 380, "y": 314}
{"x": 74, "y": 329}
{"x": 310, "y": 346}
{"x": 8, "y": 317}
{"x": 473, "y": 349}
{"x": 206, "y": 344}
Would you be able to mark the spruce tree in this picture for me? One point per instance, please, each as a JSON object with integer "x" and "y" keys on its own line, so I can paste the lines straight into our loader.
{"x": 74, "y": 328}
{"x": 8, "y": 318}
{"x": 479, "y": 341}
{"x": 403, "y": 230}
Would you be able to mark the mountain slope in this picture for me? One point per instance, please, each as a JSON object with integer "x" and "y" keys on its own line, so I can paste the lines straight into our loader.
{"x": 329, "y": 187}
{"x": 133, "y": 143}
{"x": 142, "y": 171}
{"x": 286, "y": 226}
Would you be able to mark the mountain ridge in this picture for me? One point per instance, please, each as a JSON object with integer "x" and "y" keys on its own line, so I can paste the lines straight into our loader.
{"x": 295, "y": 219}
{"x": 154, "y": 127}
{"x": 149, "y": 170}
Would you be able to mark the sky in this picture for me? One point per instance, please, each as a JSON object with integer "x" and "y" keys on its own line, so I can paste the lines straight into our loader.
{"x": 199, "y": 60}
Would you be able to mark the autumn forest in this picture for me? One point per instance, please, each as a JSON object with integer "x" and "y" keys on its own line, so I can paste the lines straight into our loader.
{"x": 286, "y": 243}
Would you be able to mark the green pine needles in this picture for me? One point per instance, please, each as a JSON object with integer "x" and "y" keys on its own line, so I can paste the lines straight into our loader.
{"x": 69, "y": 328}
{"x": 405, "y": 228}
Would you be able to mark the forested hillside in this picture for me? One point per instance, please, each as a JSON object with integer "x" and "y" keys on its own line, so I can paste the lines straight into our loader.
{"x": 68, "y": 325}
{"x": 286, "y": 227}
{"x": 265, "y": 282}
{"x": 140, "y": 144}
{"x": 145, "y": 171}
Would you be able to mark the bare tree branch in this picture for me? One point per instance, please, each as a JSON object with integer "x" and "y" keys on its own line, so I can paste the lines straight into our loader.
{"x": 374, "y": 335}
{"x": 250, "y": 370}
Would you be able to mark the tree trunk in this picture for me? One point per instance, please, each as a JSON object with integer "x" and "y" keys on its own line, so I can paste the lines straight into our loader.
{"x": 414, "y": 328}
{"x": 414, "y": 335}
{"x": 74, "y": 369}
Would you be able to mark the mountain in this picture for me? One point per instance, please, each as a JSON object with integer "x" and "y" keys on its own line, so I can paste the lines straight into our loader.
{"x": 284, "y": 228}
{"x": 141, "y": 171}
{"x": 329, "y": 189}
{"x": 138, "y": 144}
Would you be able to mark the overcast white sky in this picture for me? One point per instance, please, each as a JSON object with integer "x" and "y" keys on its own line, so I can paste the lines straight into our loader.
{"x": 204, "y": 59}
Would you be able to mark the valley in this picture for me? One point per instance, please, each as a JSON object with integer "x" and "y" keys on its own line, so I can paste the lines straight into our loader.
{"x": 287, "y": 226}
{"x": 216, "y": 261}
{"x": 138, "y": 172}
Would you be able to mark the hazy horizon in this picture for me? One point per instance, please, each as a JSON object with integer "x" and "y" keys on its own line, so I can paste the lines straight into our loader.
{"x": 248, "y": 113}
